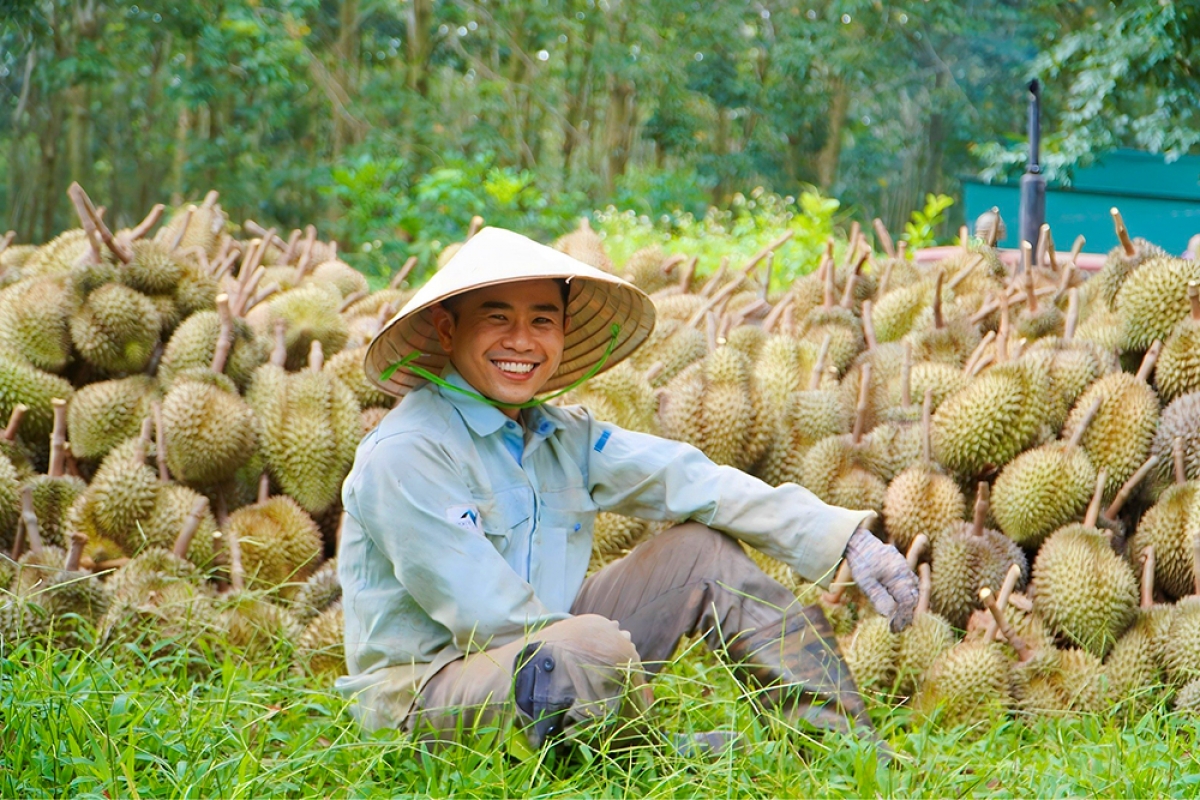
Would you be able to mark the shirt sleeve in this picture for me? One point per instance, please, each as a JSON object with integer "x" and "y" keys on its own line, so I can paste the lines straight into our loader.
{"x": 645, "y": 476}
{"x": 404, "y": 498}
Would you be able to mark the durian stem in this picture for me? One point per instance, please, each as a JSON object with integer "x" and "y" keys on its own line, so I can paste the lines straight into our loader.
{"x": 1031, "y": 302}
{"x": 224, "y": 265}
{"x": 14, "y": 422}
{"x": 279, "y": 352}
{"x": 1092, "y": 514}
{"x": 192, "y": 524}
{"x": 75, "y": 192}
{"x": 1072, "y": 320}
{"x": 310, "y": 239}
{"x": 841, "y": 581}
{"x": 187, "y": 221}
{"x": 1064, "y": 283}
{"x": 671, "y": 263}
{"x": 1046, "y": 240}
{"x": 1127, "y": 488}
{"x": 848, "y": 294}
{"x": 885, "y": 278}
{"x": 7, "y": 240}
{"x": 143, "y": 442}
{"x": 1194, "y": 300}
{"x": 964, "y": 238}
{"x": 1077, "y": 248}
{"x": 965, "y": 272}
{"x": 210, "y": 199}
{"x": 830, "y": 289}
{"x": 906, "y": 375}
{"x": 885, "y": 238}
{"x": 351, "y": 299}
{"x": 402, "y": 274}
{"x": 1149, "y": 360}
{"x": 767, "y": 251}
{"x": 1148, "y": 562}
{"x": 687, "y": 273}
{"x": 977, "y": 353}
{"x": 860, "y": 412}
{"x": 224, "y": 335}
{"x": 264, "y": 487}
{"x": 290, "y": 250}
{"x": 715, "y": 279}
{"x": 710, "y": 330}
{"x": 776, "y": 313}
{"x": 814, "y": 380}
{"x": 72, "y": 466}
{"x": 926, "y": 427}
{"x": 767, "y": 270}
{"x": 915, "y": 550}
{"x": 924, "y": 588}
{"x": 246, "y": 290}
{"x": 75, "y": 554}
{"x": 110, "y": 564}
{"x": 237, "y": 572}
{"x": 1195, "y": 564}
{"x": 852, "y": 243}
{"x": 983, "y": 494}
{"x": 1015, "y": 641}
{"x": 32, "y": 531}
{"x": 316, "y": 356}
{"x": 1006, "y": 589}
{"x": 58, "y": 438}
{"x": 1177, "y": 453}
{"x": 1081, "y": 428}
{"x": 119, "y": 250}
{"x": 18, "y": 539}
{"x": 938, "y": 322}
{"x": 868, "y": 325}
{"x": 146, "y": 224}
{"x": 267, "y": 291}
{"x": 160, "y": 443}
{"x": 902, "y": 250}
{"x": 724, "y": 293}
{"x": 1122, "y": 233}
{"x": 477, "y": 223}
{"x": 979, "y": 365}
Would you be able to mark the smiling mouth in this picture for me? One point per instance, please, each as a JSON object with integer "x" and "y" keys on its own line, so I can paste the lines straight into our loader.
{"x": 515, "y": 367}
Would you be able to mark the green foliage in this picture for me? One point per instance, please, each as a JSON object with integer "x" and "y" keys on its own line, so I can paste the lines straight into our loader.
{"x": 922, "y": 229}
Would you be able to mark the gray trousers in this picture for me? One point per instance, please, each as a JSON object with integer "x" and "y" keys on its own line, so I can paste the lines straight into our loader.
{"x": 629, "y": 619}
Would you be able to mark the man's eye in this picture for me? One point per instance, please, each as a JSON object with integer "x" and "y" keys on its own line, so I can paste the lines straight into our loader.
{"x": 497, "y": 317}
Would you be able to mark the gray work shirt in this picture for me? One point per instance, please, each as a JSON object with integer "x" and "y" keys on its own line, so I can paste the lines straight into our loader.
{"x": 452, "y": 543}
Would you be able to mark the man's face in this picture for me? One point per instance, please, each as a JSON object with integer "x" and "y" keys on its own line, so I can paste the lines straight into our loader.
{"x": 506, "y": 340}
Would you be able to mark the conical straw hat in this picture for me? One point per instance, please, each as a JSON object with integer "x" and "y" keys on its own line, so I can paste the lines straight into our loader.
{"x": 597, "y": 301}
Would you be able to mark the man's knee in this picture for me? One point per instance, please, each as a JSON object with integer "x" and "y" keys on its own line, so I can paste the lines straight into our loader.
{"x": 698, "y": 539}
{"x": 590, "y": 638}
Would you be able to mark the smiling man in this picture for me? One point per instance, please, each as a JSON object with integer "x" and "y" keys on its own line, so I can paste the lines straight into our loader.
{"x": 470, "y": 511}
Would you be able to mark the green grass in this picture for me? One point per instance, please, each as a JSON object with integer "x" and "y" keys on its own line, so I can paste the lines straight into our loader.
{"x": 86, "y": 724}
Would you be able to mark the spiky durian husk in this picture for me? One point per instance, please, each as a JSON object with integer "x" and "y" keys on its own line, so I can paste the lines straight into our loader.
{"x": 169, "y": 517}
{"x": 780, "y": 370}
{"x": 621, "y": 396}
{"x": 20, "y": 382}
{"x": 921, "y": 500}
{"x": 57, "y": 256}
{"x": 280, "y": 544}
{"x": 1072, "y": 681}
{"x": 1153, "y": 299}
{"x": 585, "y": 245}
{"x": 151, "y": 570}
{"x": 1171, "y": 526}
{"x": 319, "y": 592}
{"x": 121, "y": 495}
{"x": 898, "y": 311}
{"x": 372, "y": 303}
{"x": 116, "y": 329}
{"x": 340, "y": 275}
{"x": 106, "y": 413}
{"x": 941, "y": 379}
{"x": 177, "y": 619}
{"x": 37, "y": 569}
{"x": 1118, "y": 438}
{"x": 675, "y": 308}
{"x": 871, "y": 652}
{"x": 1084, "y": 591}
{"x": 254, "y": 627}
{"x": 371, "y": 417}
{"x": 76, "y": 601}
{"x": 964, "y": 563}
{"x": 52, "y": 500}
{"x": 844, "y": 330}
{"x": 1178, "y": 369}
{"x": 920, "y": 645}
{"x": 311, "y": 314}
{"x": 809, "y": 417}
{"x": 951, "y": 344}
{"x": 890, "y": 448}
{"x": 1073, "y": 365}
{"x": 1181, "y": 655}
{"x": 321, "y": 649}
{"x": 153, "y": 269}
{"x": 1180, "y": 420}
{"x": 833, "y": 470}
{"x": 1135, "y": 664}
{"x": 644, "y": 270}
{"x": 347, "y": 366}
{"x": 21, "y": 618}
{"x": 675, "y": 344}
{"x": 1104, "y": 328}
{"x": 10, "y": 503}
{"x": 195, "y": 341}
{"x": 1041, "y": 490}
{"x": 210, "y": 430}
{"x": 196, "y": 291}
{"x": 35, "y": 319}
{"x": 1118, "y": 266}
{"x": 204, "y": 228}
{"x": 16, "y": 256}
{"x": 1187, "y": 700}
{"x": 968, "y": 682}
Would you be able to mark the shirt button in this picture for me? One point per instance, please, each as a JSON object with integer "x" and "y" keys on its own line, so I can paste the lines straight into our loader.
{"x": 510, "y": 425}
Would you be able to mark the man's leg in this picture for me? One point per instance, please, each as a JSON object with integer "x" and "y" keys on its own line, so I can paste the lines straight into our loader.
{"x": 693, "y": 580}
{"x": 571, "y": 671}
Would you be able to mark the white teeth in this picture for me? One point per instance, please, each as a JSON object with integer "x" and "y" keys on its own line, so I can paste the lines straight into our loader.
{"x": 513, "y": 366}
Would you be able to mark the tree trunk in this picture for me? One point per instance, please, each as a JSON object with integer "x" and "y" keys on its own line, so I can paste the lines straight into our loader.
{"x": 618, "y": 129}
{"x": 345, "y": 53}
{"x": 831, "y": 151}
{"x": 78, "y": 133}
{"x": 420, "y": 13}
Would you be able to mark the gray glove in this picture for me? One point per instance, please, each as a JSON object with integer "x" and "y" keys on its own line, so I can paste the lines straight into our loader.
{"x": 883, "y": 574}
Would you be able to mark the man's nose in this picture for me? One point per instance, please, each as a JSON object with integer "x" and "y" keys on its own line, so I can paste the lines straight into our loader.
{"x": 519, "y": 337}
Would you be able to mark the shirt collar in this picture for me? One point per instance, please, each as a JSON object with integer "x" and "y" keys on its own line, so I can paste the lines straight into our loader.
{"x": 483, "y": 418}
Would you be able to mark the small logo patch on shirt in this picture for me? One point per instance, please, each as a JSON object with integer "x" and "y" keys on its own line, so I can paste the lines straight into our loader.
{"x": 465, "y": 517}
{"x": 603, "y": 440}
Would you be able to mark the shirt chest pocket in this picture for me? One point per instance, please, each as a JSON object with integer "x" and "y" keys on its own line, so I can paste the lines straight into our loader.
{"x": 564, "y": 543}
{"x": 506, "y": 518}
{"x": 571, "y": 510}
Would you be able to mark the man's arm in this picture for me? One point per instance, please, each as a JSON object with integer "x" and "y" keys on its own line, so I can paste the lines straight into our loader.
{"x": 409, "y": 499}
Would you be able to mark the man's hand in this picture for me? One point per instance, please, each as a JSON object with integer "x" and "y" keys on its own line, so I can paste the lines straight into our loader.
{"x": 883, "y": 574}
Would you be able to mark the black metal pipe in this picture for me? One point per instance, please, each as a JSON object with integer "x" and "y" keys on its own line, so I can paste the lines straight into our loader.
{"x": 1033, "y": 182}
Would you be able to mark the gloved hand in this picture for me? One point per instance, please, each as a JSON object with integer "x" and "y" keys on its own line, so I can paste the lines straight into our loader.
{"x": 882, "y": 572}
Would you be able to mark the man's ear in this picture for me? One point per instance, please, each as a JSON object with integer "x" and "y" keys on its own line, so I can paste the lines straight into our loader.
{"x": 443, "y": 323}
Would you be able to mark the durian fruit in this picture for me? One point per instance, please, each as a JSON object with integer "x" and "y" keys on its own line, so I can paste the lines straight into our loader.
{"x": 1036, "y": 320}
{"x": 613, "y": 536}
{"x": 106, "y": 413}
{"x": 622, "y": 396}
{"x": 674, "y": 344}
{"x": 1153, "y": 299}
{"x": 309, "y": 424}
{"x": 921, "y": 499}
{"x": 651, "y": 270}
{"x": 14, "y": 257}
{"x": 321, "y": 649}
{"x": 966, "y": 685}
{"x": 997, "y": 416}
{"x": 1187, "y": 699}
{"x": 54, "y": 493}
{"x": 153, "y": 269}
{"x": 10, "y": 503}
{"x": 57, "y": 256}
{"x": 35, "y": 319}
{"x": 1135, "y": 663}
{"x": 176, "y": 509}
{"x": 253, "y": 627}
{"x": 1178, "y": 370}
{"x": 194, "y": 344}
{"x": 870, "y": 653}
{"x": 121, "y": 496}
{"x": 948, "y": 341}
{"x": 968, "y": 557}
{"x": 371, "y": 417}
{"x": 709, "y": 405}
{"x": 280, "y": 545}
{"x": 75, "y": 599}
{"x": 922, "y": 642}
{"x": 311, "y": 314}
{"x": 1084, "y": 591}
{"x": 679, "y": 308}
{"x": 1180, "y": 421}
{"x": 13, "y": 448}
{"x": 898, "y": 312}
{"x": 840, "y": 323}
{"x": 177, "y": 620}
{"x": 23, "y": 384}
{"x": 21, "y": 618}
{"x": 1121, "y": 262}
{"x": 318, "y": 593}
{"x": 780, "y": 370}
{"x": 116, "y": 329}
{"x": 195, "y": 292}
{"x": 348, "y": 367}
{"x": 1045, "y": 488}
{"x": 1073, "y": 364}
{"x": 1119, "y": 436}
{"x": 195, "y": 226}
{"x": 585, "y": 244}
{"x": 1172, "y": 528}
{"x": 1181, "y": 656}
{"x": 837, "y": 469}
{"x": 345, "y": 278}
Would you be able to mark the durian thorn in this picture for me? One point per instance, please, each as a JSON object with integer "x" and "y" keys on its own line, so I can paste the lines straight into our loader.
{"x": 830, "y": 289}
{"x": 926, "y": 427}
{"x": 715, "y": 279}
{"x": 77, "y": 195}
{"x": 1006, "y": 589}
{"x": 1177, "y": 453}
{"x": 774, "y": 315}
{"x": 983, "y": 494}
{"x": 79, "y": 540}
{"x": 316, "y": 356}
{"x": 1047, "y": 240}
{"x": 1148, "y": 361}
{"x": 146, "y": 224}
{"x": 477, "y": 223}
{"x": 1015, "y": 641}
{"x": 224, "y": 335}
{"x": 210, "y": 199}
{"x": 190, "y": 525}
{"x": 916, "y": 550}
{"x": 964, "y": 238}
{"x": 1148, "y": 576}
{"x": 160, "y": 443}
{"x": 7, "y": 240}
{"x": 814, "y": 380}
{"x": 848, "y": 294}
{"x": 143, "y": 441}
{"x": 1194, "y": 300}
{"x": 1084, "y": 422}
{"x": 1072, "y": 320}
{"x": 1122, "y": 232}
{"x": 187, "y": 221}
{"x": 852, "y": 243}
{"x": 841, "y": 581}
{"x": 653, "y": 371}
{"x": 885, "y": 278}
{"x": 860, "y": 412}
{"x": 14, "y": 422}
{"x": 1127, "y": 489}
{"x": 351, "y": 299}
{"x": 1077, "y": 248}
{"x": 767, "y": 270}
{"x": 305, "y": 261}
{"x": 885, "y": 238}
{"x": 963, "y": 273}
{"x": 868, "y": 325}
{"x": 268, "y": 290}
{"x": 402, "y": 274}
{"x": 29, "y": 517}
{"x": 687, "y": 273}
{"x": 279, "y": 352}
{"x": 924, "y": 587}
{"x": 977, "y": 353}
{"x": 58, "y": 438}
{"x": 938, "y": 322}
{"x": 1092, "y": 515}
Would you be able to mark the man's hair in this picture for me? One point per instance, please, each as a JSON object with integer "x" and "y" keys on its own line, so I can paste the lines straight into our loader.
{"x": 451, "y": 303}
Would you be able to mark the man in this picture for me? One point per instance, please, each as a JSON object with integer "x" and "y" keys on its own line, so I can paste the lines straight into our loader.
{"x": 470, "y": 512}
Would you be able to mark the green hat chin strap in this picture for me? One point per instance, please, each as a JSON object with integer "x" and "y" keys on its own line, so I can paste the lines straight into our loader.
{"x": 421, "y": 372}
